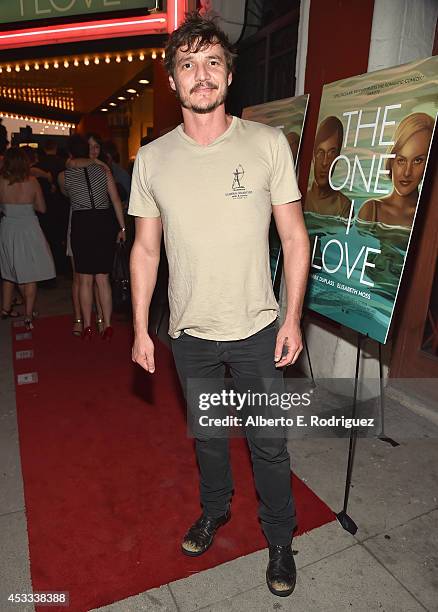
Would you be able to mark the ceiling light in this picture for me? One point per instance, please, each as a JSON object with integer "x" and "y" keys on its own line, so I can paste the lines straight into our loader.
{"x": 112, "y": 104}
{"x": 105, "y": 110}
{"x": 131, "y": 90}
{"x": 120, "y": 98}
{"x": 143, "y": 81}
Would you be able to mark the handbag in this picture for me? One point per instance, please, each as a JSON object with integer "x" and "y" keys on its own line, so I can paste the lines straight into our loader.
{"x": 120, "y": 283}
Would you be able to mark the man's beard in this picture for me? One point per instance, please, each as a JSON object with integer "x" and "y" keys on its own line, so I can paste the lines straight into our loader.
{"x": 202, "y": 110}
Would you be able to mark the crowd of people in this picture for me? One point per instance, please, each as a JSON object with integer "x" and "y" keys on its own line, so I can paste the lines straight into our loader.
{"x": 59, "y": 204}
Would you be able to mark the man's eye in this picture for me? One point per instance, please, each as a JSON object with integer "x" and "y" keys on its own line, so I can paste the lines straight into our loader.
{"x": 187, "y": 65}
{"x": 214, "y": 63}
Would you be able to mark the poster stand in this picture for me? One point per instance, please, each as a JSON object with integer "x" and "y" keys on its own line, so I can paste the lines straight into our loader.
{"x": 345, "y": 520}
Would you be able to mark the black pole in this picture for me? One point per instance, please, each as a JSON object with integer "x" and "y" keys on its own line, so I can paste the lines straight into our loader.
{"x": 382, "y": 436}
{"x": 308, "y": 357}
{"x": 346, "y": 521}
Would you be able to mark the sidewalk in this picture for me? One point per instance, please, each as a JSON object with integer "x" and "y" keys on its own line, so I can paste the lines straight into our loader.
{"x": 391, "y": 564}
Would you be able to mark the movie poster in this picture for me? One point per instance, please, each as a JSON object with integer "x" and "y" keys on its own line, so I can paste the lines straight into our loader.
{"x": 288, "y": 115}
{"x": 369, "y": 161}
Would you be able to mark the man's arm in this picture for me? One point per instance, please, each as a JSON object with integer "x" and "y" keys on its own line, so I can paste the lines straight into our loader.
{"x": 145, "y": 257}
{"x": 296, "y": 258}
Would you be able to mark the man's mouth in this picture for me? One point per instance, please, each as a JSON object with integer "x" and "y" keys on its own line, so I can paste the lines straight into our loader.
{"x": 202, "y": 88}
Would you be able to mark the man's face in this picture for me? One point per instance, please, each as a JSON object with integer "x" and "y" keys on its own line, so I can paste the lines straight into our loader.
{"x": 323, "y": 157}
{"x": 201, "y": 79}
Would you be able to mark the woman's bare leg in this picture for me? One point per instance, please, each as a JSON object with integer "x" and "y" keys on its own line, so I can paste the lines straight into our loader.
{"x": 86, "y": 297}
{"x": 77, "y": 326}
{"x": 7, "y": 293}
{"x": 98, "y": 304}
{"x": 29, "y": 291}
{"x": 102, "y": 282}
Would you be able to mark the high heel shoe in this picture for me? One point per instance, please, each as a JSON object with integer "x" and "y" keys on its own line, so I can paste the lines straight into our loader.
{"x": 77, "y": 327}
{"x": 87, "y": 333}
{"x": 28, "y": 323}
{"x": 9, "y": 314}
{"x": 100, "y": 325}
{"x": 107, "y": 333}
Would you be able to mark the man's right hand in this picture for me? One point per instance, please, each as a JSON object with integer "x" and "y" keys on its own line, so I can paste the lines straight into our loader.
{"x": 143, "y": 353}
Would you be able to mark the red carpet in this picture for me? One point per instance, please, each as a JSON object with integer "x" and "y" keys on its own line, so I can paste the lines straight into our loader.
{"x": 110, "y": 477}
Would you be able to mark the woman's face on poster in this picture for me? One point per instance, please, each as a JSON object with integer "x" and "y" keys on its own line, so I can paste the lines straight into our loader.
{"x": 409, "y": 163}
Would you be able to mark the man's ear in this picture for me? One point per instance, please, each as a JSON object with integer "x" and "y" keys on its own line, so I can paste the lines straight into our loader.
{"x": 230, "y": 78}
{"x": 172, "y": 83}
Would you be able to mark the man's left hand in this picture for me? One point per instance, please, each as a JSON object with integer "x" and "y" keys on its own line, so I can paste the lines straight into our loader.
{"x": 288, "y": 339}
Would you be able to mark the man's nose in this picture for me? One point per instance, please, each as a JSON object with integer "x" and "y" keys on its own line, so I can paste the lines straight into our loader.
{"x": 201, "y": 73}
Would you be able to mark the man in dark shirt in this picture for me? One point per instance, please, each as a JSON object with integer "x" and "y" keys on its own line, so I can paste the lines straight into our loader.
{"x": 57, "y": 205}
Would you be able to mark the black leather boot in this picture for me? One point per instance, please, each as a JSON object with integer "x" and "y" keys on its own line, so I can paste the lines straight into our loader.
{"x": 281, "y": 574}
{"x": 200, "y": 535}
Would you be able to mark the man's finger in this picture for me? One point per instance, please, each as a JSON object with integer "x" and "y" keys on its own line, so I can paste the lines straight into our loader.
{"x": 278, "y": 349}
{"x": 150, "y": 362}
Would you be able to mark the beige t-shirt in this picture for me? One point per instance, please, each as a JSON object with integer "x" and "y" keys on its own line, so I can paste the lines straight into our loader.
{"x": 215, "y": 205}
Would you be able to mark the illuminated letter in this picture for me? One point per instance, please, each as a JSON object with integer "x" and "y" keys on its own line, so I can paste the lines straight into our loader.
{"x": 385, "y": 123}
{"x": 331, "y": 169}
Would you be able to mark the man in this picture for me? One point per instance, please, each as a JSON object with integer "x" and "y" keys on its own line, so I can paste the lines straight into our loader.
{"x": 212, "y": 184}
{"x": 321, "y": 198}
{"x": 55, "y": 222}
{"x": 121, "y": 177}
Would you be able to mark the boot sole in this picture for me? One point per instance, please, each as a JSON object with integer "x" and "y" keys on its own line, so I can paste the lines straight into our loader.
{"x": 198, "y": 553}
{"x": 281, "y": 593}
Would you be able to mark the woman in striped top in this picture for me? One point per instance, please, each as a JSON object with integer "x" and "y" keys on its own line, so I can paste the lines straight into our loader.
{"x": 90, "y": 186}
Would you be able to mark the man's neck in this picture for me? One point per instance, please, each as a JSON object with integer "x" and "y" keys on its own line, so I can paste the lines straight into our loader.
{"x": 204, "y": 129}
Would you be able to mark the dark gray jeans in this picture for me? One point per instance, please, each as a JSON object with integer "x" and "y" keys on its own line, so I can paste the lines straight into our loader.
{"x": 248, "y": 360}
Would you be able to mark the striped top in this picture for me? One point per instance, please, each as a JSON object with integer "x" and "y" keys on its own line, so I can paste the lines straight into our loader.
{"x": 78, "y": 188}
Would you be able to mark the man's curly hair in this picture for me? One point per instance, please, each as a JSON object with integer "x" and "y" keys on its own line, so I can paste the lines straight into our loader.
{"x": 195, "y": 34}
